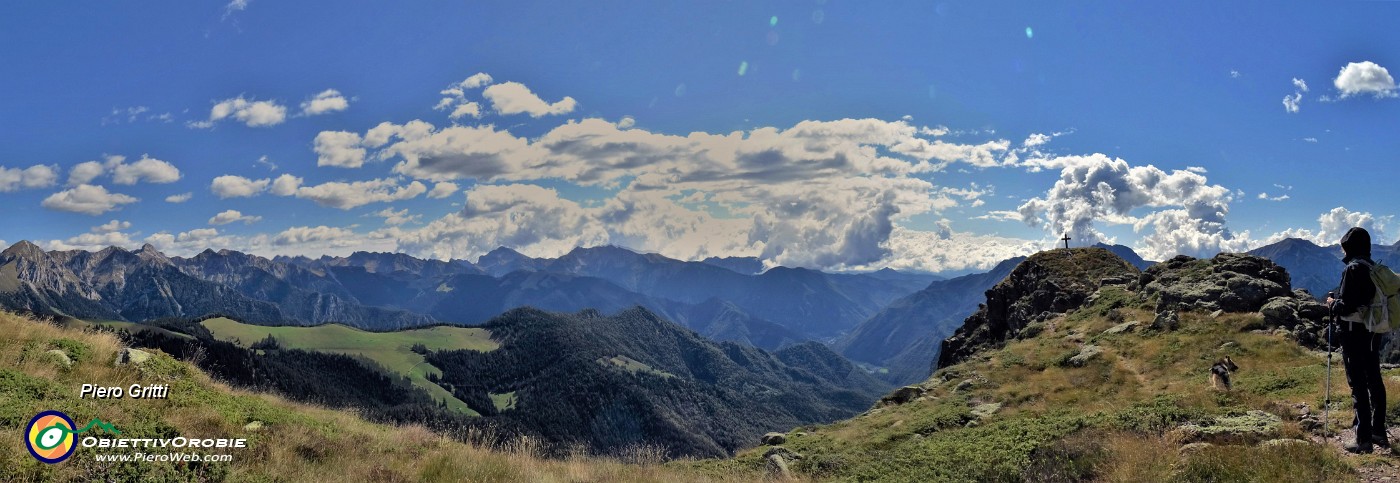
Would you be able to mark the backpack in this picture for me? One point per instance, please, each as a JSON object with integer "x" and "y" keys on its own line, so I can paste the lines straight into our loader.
{"x": 1383, "y": 313}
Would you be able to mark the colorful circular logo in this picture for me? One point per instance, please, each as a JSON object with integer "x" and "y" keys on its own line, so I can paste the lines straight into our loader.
{"x": 49, "y": 437}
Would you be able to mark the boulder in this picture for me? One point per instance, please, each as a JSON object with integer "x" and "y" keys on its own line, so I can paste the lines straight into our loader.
{"x": 253, "y": 426}
{"x": 777, "y": 468}
{"x": 1086, "y": 354}
{"x": 1166, "y": 321}
{"x": 1280, "y": 312}
{"x": 1123, "y": 328}
{"x": 774, "y": 439}
{"x": 132, "y": 356}
{"x": 903, "y": 395}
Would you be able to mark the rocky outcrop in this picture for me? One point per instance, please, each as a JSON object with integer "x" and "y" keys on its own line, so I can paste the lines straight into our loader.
{"x": 1233, "y": 282}
{"x": 1043, "y": 286}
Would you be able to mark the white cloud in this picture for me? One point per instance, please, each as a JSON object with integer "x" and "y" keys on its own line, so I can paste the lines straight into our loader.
{"x": 85, "y": 172}
{"x": 1265, "y": 196}
{"x": 252, "y": 113}
{"x": 514, "y": 98}
{"x": 230, "y": 186}
{"x": 819, "y": 194}
{"x": 627, "y": 122}
{"x": 97, "y": 239}
{"x": 396, "y": 218}
{"x": 345, "y": 196}
{"x": 231, "y": 216}
{"x": 266, "y": 162}
{"x": 112, "y": 226}
{"x": 179, "y": 198}
{"x": 146, "y": 169}
{"x": 1360, "y": 78}
{"x": 302, "y": 235}
{"x": 1234, "y": 74}
{"x": 87, "y": 199}
{"x": 477, "y": 80}
{"x": 325, "y": 102}
{"x": 340, "y": 149}
{"x": 443, "y": 189}
{"x": 37, "y": 176}
{"x": 1290, "y": 103}
{"x": 1300, "y": 84}
{"x": 285, "y": 185}
{"x": 1097, "y": 188}
{"x": 945, "y": 250}
{"x": 466, "y": 109}
{"x": 1335, "y": 223}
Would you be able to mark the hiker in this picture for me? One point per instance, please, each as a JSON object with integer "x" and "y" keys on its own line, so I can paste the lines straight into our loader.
{"x": 1360, "y": 346}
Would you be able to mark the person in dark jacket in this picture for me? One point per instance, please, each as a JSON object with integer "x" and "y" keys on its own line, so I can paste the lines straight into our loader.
{"x": 1360, "y": 347}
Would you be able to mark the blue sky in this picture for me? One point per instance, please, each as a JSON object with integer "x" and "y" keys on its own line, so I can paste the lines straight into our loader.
{"x": 1138, "y": 94}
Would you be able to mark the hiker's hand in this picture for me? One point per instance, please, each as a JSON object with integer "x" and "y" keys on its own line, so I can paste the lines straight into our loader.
{"x": 1330, "y": 300}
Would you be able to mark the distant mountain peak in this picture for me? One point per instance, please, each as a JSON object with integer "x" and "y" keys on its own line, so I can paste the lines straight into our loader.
{"x": 24, "y": 249}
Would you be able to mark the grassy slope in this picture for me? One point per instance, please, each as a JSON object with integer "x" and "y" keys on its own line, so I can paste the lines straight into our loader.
{"x": 1111, "y": 420}
{"x": 389, "y": 349}
{"x": 297, "y": 443}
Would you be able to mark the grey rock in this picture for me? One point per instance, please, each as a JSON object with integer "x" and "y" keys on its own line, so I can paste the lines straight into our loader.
{"x": 132, "y": 356}
{"x": 903, "y": 395}
{"x": 1086, "y": 354}
{"x": 1122, "y": 328}
{"x": 777, "y": 468}
{"x": 984, "y": 411}
{"x": 774, "y": 439}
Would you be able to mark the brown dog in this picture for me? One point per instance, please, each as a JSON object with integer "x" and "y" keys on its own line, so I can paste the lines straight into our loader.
{"x": 1220, "y": 373}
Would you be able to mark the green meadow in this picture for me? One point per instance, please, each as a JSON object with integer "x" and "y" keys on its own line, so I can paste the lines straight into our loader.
{"x": 392, "y": 350}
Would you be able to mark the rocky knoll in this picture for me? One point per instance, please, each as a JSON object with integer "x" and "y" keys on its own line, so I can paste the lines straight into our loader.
{"x": 1043, "y": 286}
{"x": 1059, "y": 281}
{"x": 1234, "y": 282}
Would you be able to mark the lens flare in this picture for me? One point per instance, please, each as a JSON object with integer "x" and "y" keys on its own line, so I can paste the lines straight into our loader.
{"x": 1029, "y": 33}
{"x": 743, "y": 67}
{"x": 773, "y": 21}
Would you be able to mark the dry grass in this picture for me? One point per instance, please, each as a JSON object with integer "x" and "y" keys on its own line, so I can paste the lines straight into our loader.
{"x": 299, "y": 442}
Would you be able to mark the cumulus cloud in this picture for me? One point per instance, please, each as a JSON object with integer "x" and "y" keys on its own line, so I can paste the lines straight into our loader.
{"x": 252, "y": 113}
{"x": 455, "y": 97}
{"x": 443, "y": 189}
{"x": 818, "y": 194}
{"x": 230, "y": 186}
{"x": 302, "y": 235}
{"x": 514, "y": 98}
{"x": 342, "y": 195}
{"x": 87, "y": 199}
{"x": 945, "y": 249}
{"x": 37, "y": 176}
{"x": 1361, "y": 78}
{"x": 326, "y": 101}
{"x": 396, "y": 218}
{"x": 1291, "y": 103}
{"x": 232, "y": 216}
{"x": 340, "y": 149}
{"x": 1097, "y": 188}
{"x": 146, "y": 169}
{"x": 179, "y": 198}
{"x": 1335, "y": 223}
{"x": 112, "y": 226}
{"x": 285, "y": 185}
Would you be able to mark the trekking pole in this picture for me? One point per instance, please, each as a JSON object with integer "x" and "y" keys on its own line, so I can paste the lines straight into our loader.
{"x": 1327, "y": 399}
